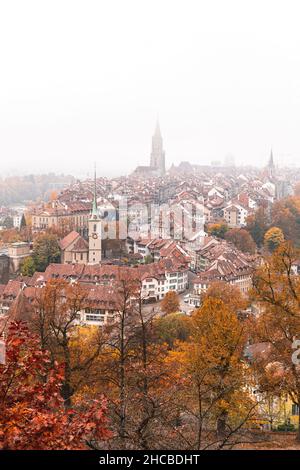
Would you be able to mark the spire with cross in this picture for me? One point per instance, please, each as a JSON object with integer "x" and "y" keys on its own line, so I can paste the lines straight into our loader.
{"x": 95, "y": 206}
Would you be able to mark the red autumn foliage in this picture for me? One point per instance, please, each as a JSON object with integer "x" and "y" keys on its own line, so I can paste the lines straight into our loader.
{"x": 32, "y": 415}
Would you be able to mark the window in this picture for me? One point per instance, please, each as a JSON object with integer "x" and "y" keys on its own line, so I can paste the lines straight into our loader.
{"x": 94, "y": 318}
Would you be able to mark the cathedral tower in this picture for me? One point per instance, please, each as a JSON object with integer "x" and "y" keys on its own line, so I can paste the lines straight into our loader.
{"x": 95, "y": 231}
{"x": 271, "y": 166}
{"x": 157, "y": 159}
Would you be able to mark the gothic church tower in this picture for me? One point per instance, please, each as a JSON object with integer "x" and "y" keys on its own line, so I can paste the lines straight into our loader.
{"x": 271, "y": 166}
{"x": 157, "y": 159}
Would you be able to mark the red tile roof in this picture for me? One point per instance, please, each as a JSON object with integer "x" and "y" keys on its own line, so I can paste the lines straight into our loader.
{"x": 68, "y": 239}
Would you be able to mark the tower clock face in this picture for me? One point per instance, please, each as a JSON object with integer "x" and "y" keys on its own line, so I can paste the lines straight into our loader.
{"x": 95, "y": 236}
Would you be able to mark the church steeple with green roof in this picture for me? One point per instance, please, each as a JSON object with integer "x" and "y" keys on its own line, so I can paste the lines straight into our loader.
{"x": 95, "y": 229}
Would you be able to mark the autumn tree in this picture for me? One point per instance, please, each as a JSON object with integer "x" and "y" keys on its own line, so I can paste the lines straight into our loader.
{"x": 229, "y": 294}
{"x": 286, "y": 216}
{"x": 242, "y": 239}
{"x": 45, "y": 251}
{"x": 151, "y": 406}
{"x": 273, "y": 238}
{"x": 277, "y": 290}
{"x": 170, "y": 302}
{"x": 218, "y": 230}
{"x": 32, "y": 415}
{"x": 53, "y": 319}
{"x": 134, "y": 374}
{"x": 213, "y": 396}
{"x": 10, "y": 236}
{"x": 53, "y": 195}
{"x": 121, "y": 346}
{"x": 126, "y": 360}
{"x": 257, "y": 225}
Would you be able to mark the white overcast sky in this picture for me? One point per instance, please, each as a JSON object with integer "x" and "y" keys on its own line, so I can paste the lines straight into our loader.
{"x": 84, "y": 80}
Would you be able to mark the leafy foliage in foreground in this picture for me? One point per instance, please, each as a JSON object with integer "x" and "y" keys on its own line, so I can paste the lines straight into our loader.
{"x": 32, "y": 414}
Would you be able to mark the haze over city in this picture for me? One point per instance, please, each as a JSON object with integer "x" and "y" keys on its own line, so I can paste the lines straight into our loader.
{"x": 149, "y": 232}
{"x": 79, "y": 85}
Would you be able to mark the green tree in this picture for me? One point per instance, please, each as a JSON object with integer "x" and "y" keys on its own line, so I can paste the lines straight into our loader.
{"x": 23, "y": 223}
{"x": 28, "y": 267}
{"x": 8, "y": 222}
{"x": 148, "y": 259}
{"x": 45, "y": 251}
{"x": 172, "y": 327}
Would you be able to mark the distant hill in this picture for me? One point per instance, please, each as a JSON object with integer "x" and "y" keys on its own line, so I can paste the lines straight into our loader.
{"x": 19, "y": 189}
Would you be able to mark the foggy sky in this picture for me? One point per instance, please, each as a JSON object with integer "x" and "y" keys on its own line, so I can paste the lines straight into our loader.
{"x": 83, "y": 81}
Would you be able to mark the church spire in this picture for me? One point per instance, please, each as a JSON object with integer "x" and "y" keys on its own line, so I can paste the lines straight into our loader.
{"x": 157, "y": 129}
{"x": 271, "y": 161}
{"x": 271, "y": 165}
{"x": 95, "y": 207}
{"x": 95, "y": 229}
{"x": 157, "y": 158}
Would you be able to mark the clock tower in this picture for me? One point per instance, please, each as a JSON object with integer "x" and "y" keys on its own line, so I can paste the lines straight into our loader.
{"x": 95, "y": 231}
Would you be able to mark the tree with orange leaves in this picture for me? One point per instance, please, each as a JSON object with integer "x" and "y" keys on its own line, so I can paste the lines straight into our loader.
{"x": 213, "y": 395}
{"x": 54, "y": 312}
{"x": 273, "y": 238}
{"x": 227, "y": 293}
{"x": 32, "y": 415}
{"x": 242, "y": 239}
{"x": 286, "y": 216}
{"x": 135, "y": 376}
{"x": 277, "y": 291}
{"x": 258, "y": 224}
{"x": 170, "y": 302}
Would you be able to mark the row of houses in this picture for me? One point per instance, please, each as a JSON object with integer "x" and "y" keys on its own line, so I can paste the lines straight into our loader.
{"x": 101, "y": 284}
{"x": 219, "y": 260}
